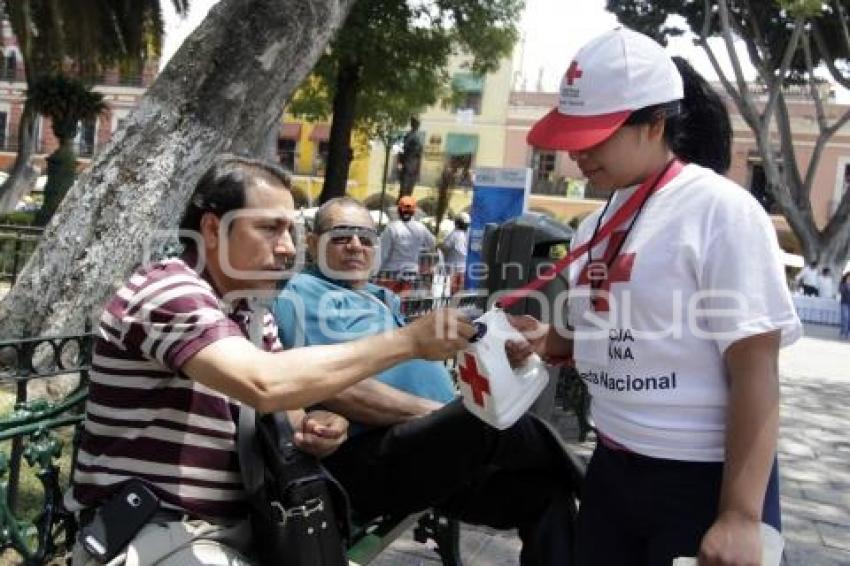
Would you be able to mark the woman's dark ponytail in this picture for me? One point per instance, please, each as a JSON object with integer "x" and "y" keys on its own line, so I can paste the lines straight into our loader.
{"x": 702, "y": 132}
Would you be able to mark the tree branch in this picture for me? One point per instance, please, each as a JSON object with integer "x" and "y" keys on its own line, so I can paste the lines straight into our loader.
{"x": 838, "y": 221}
{"x": 842, "y": 20}
{"x": 798, "y": 192}
{"x": 723, "y": 11}
{"x": 757, "y": 44}
{"x": 779, "y": 77}
{"x": 827, "y": 58}
{"x": 740, "y": 98}
{"x": 820, "y": 114}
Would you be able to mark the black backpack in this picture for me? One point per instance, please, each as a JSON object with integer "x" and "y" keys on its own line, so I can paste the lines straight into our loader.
{"x": 299, "y": 512}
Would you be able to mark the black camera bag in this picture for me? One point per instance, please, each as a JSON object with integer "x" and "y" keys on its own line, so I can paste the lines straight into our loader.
{"x": 299, "y": 512}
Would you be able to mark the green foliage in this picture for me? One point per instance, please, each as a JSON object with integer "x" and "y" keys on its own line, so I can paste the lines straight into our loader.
{"x": 66, "y": 101}
{"x": 30, "y": 491}
{"x": 18, "y": 218}
{"x": 804, "y": 8}
{"x": 400, "y": 50}
{"x": 90, "y": 34}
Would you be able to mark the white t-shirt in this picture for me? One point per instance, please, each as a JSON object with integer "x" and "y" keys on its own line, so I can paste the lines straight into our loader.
{"x": 808, "y": 276}
{"x": 401, "y": 244}
{"x": 826, "y": 287}
{"x": 655, "y": 369}
{"x": 454, "y": 248}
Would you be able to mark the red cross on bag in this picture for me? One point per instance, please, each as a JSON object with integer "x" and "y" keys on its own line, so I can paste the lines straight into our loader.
{"x": 470, "y": 375}
{"x": 625, "y": 212}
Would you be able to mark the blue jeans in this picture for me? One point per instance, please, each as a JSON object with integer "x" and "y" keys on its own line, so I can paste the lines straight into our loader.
{"x": 845, "y": 320}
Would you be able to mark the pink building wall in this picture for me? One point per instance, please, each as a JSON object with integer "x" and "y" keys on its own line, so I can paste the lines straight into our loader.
{"x": 527, "y": 107}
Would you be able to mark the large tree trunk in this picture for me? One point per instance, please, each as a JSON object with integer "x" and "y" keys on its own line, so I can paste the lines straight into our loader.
{"x": 339, "y": 143}
{"x": 23, "y": 173}
{"x": 222, "y": 91}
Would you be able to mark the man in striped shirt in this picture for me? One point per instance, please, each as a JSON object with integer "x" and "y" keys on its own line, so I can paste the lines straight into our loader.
{"x": 173, "y": 364}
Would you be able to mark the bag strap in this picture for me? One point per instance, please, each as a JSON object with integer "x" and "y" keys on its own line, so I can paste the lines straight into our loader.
{"x": 251, "y": 462}
{"x": 629, "y": 208}
{"x": 257, "y": 434}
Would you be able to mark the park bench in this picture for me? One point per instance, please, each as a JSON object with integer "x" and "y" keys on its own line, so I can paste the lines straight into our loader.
{"x": 36, "y": 432}
{"x": 40, "y": 531}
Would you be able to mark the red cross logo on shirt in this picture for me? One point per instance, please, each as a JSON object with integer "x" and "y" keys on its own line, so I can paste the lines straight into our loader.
{"x": 469, "y": 375}
{"x": 573, "y": 73}
{"x": 620, "y": 270}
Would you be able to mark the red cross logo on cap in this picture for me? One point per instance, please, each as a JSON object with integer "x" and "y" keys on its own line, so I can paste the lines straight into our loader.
{"x": 469, "y": 375}
{"x": 573, "y": 73}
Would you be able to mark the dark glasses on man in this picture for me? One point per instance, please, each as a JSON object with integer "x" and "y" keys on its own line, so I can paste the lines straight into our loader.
{"x": 342, "y": 235}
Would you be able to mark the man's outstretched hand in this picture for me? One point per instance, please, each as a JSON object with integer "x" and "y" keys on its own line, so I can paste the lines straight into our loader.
{"x": 440, "y": 334}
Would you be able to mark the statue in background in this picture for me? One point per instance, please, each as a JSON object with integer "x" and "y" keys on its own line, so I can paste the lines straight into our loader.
{"x": 410, "y": 159}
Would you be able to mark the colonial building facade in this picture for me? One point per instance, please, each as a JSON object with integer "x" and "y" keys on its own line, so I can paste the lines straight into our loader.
{"x": 556, "y": 174}
{"x": 120, "y": 92}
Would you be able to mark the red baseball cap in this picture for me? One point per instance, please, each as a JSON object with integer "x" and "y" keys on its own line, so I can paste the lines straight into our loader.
{"x": 611, "y": 76}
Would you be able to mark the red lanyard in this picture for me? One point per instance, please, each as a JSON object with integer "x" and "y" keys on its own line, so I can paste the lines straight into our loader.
{"x": 629, "y": 208}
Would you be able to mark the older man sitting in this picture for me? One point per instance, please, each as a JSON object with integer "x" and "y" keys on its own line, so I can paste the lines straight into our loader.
{"x": 412, "y": 445}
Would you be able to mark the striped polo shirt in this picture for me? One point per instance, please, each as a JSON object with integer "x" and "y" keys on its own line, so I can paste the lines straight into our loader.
{"x": 146, "y": 419}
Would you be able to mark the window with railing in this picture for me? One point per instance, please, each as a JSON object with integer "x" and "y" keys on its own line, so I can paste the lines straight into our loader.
{"x": 545, "y": 182}
{"x": 543, "y": 163}
{"x": 460, "y": 157}
{"x": 286, "y": 153}
{"x": 760, "y": 190}
{"x": 320, "y": 160}
{"x": 4, "y": 120}
{"x": 759, "y": 186}
{"x": 9, "y": 69}
{"x": 469, "y": 92}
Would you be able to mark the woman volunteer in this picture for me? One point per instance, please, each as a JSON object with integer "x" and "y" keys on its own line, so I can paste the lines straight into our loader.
{"x": 675, "y": 319}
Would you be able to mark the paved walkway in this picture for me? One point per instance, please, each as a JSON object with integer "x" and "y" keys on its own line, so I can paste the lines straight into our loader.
{"x": 814, "y": 453}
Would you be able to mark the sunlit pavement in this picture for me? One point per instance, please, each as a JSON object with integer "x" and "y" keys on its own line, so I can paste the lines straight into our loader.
{"x": 814, "y": 448}
{"x": 814, "y": 454}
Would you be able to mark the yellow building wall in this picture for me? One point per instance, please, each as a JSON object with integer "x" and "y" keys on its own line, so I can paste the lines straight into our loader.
{"x": 366, "y": 170}
{"x": 305, "y": 156}
{"x": 489, "y": 126}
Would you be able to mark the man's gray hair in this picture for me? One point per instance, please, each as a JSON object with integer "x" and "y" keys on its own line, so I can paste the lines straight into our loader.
{"x": 321, "y": 222}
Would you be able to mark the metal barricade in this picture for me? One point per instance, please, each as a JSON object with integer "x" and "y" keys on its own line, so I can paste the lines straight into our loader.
{"x": 17, "y": 244}
{"x": 37, "y": 432}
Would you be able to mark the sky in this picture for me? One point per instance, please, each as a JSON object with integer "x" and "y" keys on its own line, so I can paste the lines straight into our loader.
{"x": 552, "y": 32}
